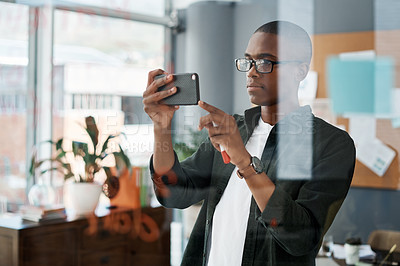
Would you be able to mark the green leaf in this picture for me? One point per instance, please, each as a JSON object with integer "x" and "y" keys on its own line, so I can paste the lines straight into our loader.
{"x": 79, "y": 148}
{"x": 61, "y": 155}
{"x": 39, "y": 163}
{"x": 125, "y": 158}
{"x": 68, "y": 175}
{"x": 108, "y": 171}
{"x": 59, "y": 144}
{"x": 91, "y": 129}
{"x": 32, "y": 166}
{"x": 67, "y": 166}
{"x": 48, "y": 170}
{"x": 47, "y": 141}
{"x": 122, "y": 161}
{"x": 105, "y": 146}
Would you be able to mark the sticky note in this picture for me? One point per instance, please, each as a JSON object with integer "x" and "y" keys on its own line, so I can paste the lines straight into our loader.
{"x": 360, "y": 85}
{"x": 396, "y": 108}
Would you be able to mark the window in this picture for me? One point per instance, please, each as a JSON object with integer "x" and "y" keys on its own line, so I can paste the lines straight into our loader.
{"x": 13, "y": 96}
{"x": 101, "y": 61}
{"x": 98, "y": 60}
{"x": 148, "y": 7}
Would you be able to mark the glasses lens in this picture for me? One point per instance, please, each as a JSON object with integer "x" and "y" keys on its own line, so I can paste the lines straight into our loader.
{"x": 264, "y": 66}
{"x": 243, "y": 64}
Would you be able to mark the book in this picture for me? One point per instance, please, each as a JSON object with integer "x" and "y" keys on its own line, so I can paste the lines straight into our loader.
{"x": 41, "y": 210}
{"x": 42, "y": 213}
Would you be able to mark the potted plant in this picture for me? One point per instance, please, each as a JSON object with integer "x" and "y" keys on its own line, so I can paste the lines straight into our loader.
{"x": 81, "y": 189}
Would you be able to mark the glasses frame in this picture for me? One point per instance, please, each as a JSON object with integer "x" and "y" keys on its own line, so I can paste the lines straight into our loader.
{"x": 254, "y": 63}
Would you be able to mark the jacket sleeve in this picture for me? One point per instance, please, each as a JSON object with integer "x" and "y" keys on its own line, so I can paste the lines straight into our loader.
{"x": 187, "y": 182}
{"x": 300, "y": 211}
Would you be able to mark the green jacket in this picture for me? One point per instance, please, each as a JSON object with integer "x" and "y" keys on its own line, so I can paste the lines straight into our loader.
{"x": 311, "y": 163}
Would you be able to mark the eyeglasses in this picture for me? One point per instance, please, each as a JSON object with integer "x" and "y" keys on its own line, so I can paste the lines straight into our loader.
{"x": 263, "y": 66}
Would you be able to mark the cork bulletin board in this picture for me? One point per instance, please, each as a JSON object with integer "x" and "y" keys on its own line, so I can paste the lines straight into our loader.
{"x": 326, "y": 45}
{"x": 363, "y": 176}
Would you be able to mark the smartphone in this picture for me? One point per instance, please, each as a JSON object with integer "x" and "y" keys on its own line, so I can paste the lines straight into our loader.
{"x": 188, "y": 91}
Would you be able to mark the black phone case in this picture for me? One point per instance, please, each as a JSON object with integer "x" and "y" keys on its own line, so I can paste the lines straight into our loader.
{"x": 188, "y": 92}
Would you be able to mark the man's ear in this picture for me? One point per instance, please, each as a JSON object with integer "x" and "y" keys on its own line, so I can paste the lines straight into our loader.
{"x": 302, "y": 71}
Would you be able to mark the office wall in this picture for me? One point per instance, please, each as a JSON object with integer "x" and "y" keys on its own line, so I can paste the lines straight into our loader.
{"x": 364, "y": 210}
{"x": 248, "y": 16}
{"x": 205, "y": 47}
{"x": 367, "y": 209}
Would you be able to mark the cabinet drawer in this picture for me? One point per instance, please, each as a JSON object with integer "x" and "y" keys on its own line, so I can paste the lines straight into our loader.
{"x": 6, "y": 249}
{"x": 101, "y": 239}
{"x": 115, "y": 256}
{"x": 150, "y": 259}
{"x": 49, "y": 248}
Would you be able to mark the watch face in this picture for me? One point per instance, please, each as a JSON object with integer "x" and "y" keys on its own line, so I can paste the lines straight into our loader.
{"x": 257, "y": 165}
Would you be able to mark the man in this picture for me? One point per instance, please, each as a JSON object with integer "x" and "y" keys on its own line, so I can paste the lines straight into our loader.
{"x": 289, "y": 172}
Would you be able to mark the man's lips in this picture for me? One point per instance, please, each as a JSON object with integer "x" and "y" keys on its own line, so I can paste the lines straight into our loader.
{"x": 253, "y": 86}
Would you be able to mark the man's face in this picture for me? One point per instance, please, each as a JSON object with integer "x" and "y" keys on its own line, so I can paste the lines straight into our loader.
{"x": 279, "y": 85}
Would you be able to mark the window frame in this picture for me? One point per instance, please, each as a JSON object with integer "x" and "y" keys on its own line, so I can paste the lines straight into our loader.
{"x": 40, "y": 58}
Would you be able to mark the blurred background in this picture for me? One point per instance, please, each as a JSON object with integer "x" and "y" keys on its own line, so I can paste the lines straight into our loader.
{"x": 63, "y": 60}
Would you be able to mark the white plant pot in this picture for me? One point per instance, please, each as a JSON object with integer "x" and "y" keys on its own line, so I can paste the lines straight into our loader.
{"x": 81, "y": 198}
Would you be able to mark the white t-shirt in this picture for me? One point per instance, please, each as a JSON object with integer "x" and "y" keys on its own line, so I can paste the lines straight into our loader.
{"x": 228, "y": 231}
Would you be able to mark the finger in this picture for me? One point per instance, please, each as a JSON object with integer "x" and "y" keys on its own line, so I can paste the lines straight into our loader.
{"x": 215, "y": 120}
{"x": 217, "y": 141}
{"x": 222, "y": 140}
{"x": 209, "y": 108}
{"x": 155, "y": 84}
{"x": 204, "y": 121}
{"x": 216, "y": 131}
{"x": 152, "y": 74}
{"x": 216, "y": 145}
{"x": 158, "y": 96}
{"x": 152, "y": 108}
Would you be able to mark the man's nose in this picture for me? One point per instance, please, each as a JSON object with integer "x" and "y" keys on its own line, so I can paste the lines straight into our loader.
{"x": 252, "y": 72}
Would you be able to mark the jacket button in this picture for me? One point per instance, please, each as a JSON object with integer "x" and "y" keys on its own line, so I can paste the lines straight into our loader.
{"x": 207, "y": 222}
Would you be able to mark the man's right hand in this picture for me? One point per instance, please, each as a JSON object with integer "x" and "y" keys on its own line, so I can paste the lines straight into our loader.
{"x": 161, "y": 114}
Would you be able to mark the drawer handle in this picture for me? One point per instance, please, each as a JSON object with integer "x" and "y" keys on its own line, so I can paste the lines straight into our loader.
{"x": 104, "y": 260}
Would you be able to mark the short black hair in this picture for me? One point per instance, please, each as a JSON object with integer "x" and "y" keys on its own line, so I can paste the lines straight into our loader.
{"x": 294, "y": 33}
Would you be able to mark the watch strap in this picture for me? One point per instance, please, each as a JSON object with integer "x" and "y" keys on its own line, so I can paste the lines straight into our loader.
{"x": 246, "y": 172}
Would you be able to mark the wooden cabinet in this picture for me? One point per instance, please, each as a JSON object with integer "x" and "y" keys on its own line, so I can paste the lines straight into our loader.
{"x": 117, "y": 237}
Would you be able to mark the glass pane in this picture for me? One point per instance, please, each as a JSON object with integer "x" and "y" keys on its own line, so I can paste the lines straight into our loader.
{"x": 182, "y": 4}
{"x": 148, "y": 7}
{"x": 84, "y": 38}
{"x": 13, "y": 97}
{"x": 101, "y": 67}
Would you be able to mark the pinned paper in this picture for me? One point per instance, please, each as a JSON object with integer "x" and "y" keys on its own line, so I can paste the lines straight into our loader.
{"x": 308, "y": 86}
{"x": 375, "y": 155}
{"x": 322, "y": 108}
{"x": 360, "y": 85}
{"x": 357, "y": 55}
{"x": 396, "y": 122}
{"x": 362, "y": 128}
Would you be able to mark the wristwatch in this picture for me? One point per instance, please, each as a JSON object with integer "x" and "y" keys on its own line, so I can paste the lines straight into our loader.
{"x": 255, "y": 167}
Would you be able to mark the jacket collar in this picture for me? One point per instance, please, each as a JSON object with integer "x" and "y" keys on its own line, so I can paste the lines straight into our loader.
{"x": 251, "y": 117}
